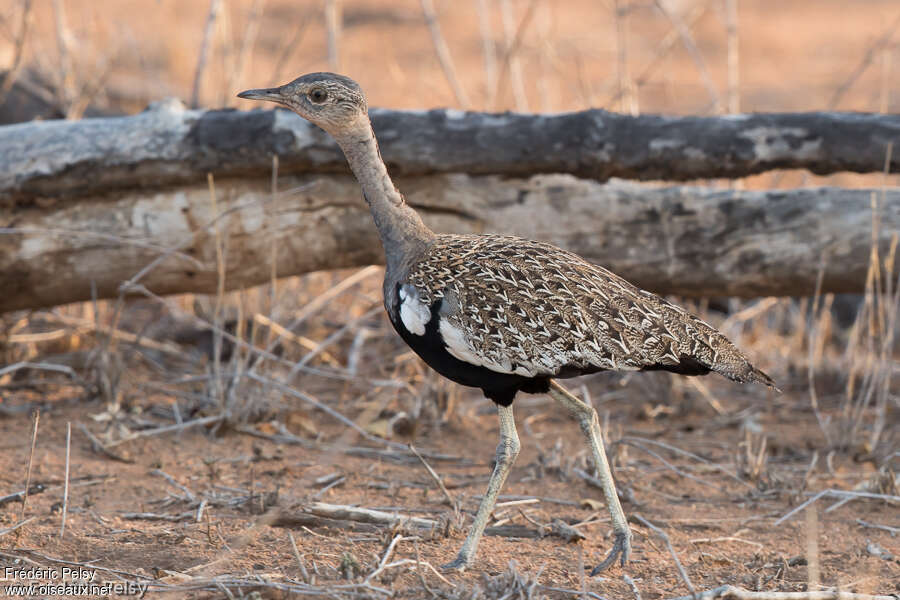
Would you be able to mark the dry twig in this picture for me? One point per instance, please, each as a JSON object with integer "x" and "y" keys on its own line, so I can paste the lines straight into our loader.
{"x": 333, "y": 24}
{"x": 443, "y": 54}
{"x": 688, "y": 41}
{"x": 665, "y": 538}
{"x": 9, "y": 77}
{"x": 892, "y": 530}
{"x": 872, "y": 51}
{"x": 843, "y": 495}
{"x": 436, "y": 478}
{"x": 37, "y": 419}
{"x": 363, "y": 515}
{"x": 633, "y": 586}
{"x": 215, "y": 6}
{"x": 303, "y": 572}
{"x": 65, "y": 506}
{"x": 510, "y": 63}
{"x": 730, "y": 592}
{"x": 17, "y": 525}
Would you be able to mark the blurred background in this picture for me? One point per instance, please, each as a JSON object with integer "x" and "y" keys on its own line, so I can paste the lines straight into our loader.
{"x": 835, "y": 426}
{"x": 673, "y": 56}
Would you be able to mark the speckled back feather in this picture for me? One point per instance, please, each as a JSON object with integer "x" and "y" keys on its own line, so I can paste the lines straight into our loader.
{"x": 531, "y": 308}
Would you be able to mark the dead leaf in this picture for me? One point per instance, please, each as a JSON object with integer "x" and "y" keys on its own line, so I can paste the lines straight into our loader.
{"x": 592, "y": 504}
{"x": 298, "y": 422}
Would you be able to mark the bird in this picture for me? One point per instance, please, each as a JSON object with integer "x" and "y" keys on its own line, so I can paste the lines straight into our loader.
{"x": 506, "y": 314}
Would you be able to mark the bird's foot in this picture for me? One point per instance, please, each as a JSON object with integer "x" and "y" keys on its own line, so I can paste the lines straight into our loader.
{"x": 621, "y": 547}
{"x": 457, "y": 564}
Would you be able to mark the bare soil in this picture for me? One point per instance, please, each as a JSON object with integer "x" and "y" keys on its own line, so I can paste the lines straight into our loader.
{"x": 719, "y": 508}
{"x": 206, "y": 511}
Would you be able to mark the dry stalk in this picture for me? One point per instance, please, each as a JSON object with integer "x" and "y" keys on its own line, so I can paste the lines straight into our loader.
{"x": 734, "y": 77}
{"x": 892, "y": 530}
{"x": 226, "y": 54}
{"x": 729, "y": 592}
{"x": 843, "y": 495}
{"x": 667, "y": 464}
{"x": 665, "y": 538}
{"x": 666, "y": 44}
{"x": 17, "y": 525}
{"x": 333, "y": 25}
{"x": 323, "y": 407}
{"x": 288, "y": 49}
{"x": 332, "y": 339}
{"x": 320, "y": 302}
{"x": 118, "y": 334}
{"x": 880, "y": 43}
{"x": 421, "y": 575}
{"x": 812, "y": 549}
{"x": 813, "y": 328}
{"x": 871, "y": 340}
{"x": 300, "y": 340}
{"x": 64, "y": 82}
{"x": 215, "y": 7}
{"x": 436, "y": 478}
{"x": 304, "y": 574}
{"x": 11, "y": 74}
{"x": 634, "y": 588}
{"x": 248, "y": 42}
{"x": 37, "y": 419}
{"x": 546, "y": 58}
{"x": 510, "y": 64}
{"x": 626, "y": 88}
{"x": 443, "y": 54}
{"x": 387, "y": 555}
{"x": 65, "y": 506}
{"x": 218, "y": 392}
{"x": 488, "y": 47}
{"x": 41, "y": 366}
{"x": 688, "y": 41}
{"x": 211, "y": 420}
{"x": 273, "y": 254}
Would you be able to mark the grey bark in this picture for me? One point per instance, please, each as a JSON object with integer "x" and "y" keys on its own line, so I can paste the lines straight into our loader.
{"x": 167, "y": 145}
{"x": 681, "y": 240}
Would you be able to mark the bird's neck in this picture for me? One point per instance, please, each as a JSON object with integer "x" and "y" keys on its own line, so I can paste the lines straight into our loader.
{"x": 402, "y": 232}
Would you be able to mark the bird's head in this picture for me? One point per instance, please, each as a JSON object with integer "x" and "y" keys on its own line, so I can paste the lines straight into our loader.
{"x": 333, "y": 102}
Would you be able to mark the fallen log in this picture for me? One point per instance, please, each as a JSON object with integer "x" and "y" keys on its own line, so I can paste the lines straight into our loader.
{"x": 167, "y": 146}
{"x": 675, "y": 240}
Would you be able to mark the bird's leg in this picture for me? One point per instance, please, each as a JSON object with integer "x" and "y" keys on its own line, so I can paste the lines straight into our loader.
{"x": 507, "y": 451}
{"x": 590, "y": 427}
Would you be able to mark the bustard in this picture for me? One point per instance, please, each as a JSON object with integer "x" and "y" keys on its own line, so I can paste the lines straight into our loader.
{"x": 506, "y": 314}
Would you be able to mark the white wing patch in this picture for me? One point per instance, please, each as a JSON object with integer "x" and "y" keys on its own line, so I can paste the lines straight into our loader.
{"x": 459, "y": 347}
{"x": 413, "y": 312}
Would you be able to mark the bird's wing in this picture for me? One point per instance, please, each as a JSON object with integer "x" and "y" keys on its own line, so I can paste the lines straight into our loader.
{"x": 530, "y": 308}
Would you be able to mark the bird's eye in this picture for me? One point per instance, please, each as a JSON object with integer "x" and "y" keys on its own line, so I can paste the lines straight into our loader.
{"x": 318, "y": 95}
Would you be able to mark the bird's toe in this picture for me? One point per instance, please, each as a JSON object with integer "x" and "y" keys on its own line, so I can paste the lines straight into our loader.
{"x": 621, "y": 548}
{"x": 458, "y": 564}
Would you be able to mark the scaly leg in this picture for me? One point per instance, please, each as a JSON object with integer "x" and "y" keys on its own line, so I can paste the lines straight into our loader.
{"x": 507, "y": 451}
{"x": 590, "y": 427}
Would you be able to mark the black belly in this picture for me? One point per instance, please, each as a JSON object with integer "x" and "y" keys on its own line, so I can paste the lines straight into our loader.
{"x": 499, "y": 387}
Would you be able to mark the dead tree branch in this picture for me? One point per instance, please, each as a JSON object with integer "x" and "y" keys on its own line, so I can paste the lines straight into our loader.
{"x": 684, "y": 240}
{"x": 168, "y": 145}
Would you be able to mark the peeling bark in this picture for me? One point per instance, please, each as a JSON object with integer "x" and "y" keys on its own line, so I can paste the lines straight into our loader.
{"x": 168, "y": 145}
{"x": 681, "y": 240}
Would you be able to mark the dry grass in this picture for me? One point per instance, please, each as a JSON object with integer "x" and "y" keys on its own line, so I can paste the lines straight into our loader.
{"x": 243, "y": 405}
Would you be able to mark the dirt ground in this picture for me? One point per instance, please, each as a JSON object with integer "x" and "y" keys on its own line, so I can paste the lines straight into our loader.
{"x": 718, "y": 508}
{"x": 214, "y": 504}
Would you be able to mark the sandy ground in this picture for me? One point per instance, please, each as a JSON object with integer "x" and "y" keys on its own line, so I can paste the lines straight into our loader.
{"x": 208, "y": 511}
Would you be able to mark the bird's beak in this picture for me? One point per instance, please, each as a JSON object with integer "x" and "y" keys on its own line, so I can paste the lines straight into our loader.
{"x": 270, "y": 94}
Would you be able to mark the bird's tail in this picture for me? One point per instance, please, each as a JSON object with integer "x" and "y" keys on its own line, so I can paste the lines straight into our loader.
{"x": 743, "y": 372}
{"x": 757, "y": 376}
